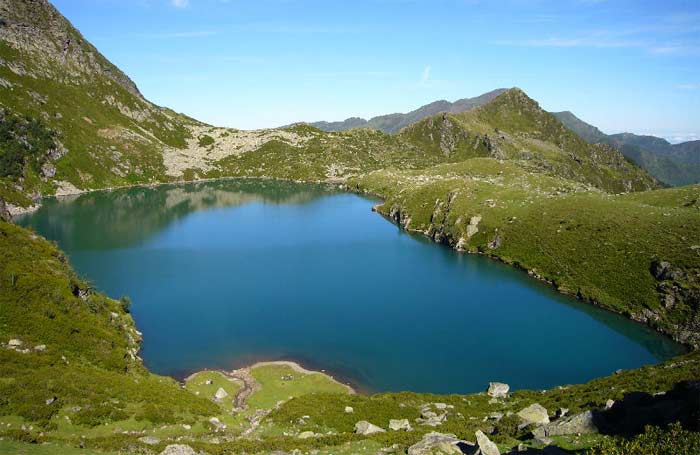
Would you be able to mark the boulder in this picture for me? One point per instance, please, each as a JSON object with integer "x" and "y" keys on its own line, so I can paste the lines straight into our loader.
{"x": 399, "y": 424}
{"x": 220, "y": 394}
{"x": 534, "y": 413}
{"x": 365, "y": 428}
{"x": 438, "y": 443}
{"x": 498, "y": 389}
{"x": 14, "y": 343}
{"x": 430, "y": 418}
{"x": 306, "y": 435}
{"x": 575, "y": 424}
{"x": 486, "y": 446}
{"x": 150, "y": 440}
{"x": 349, "y": 410}
{"x": 178, "y": 449}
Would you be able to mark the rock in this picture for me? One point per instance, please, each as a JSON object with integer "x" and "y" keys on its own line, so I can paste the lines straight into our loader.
{"x": 562, "y": 412}
{"x": 150, "y": 440}
{"x": 440, "y": 405}
{"x": 40, "y": 347}
{"x": 399, "y": 424}
{"x": 220, "y": 394}
{"x": 521, "y": 447}
{"x": 349, "y": 410}
{"x": 661, "y": 270}
{"x": 438, "y": 443}
{"x": 50, "y": 401}
{"x": 495, "y": 243}
{"x": 365, "y": 428}
{"x": 430, "y": 418}
{"x": 578, "y": 423}
{"x": 534, "y": 413}
{"x": 609, "y": 404}
{"x": 14, "y": 343}
{"x": 486, "y": 446}
{"x": 178, "y": 449}
{"x": 208, "y": 382}
{"x": 541, "y": 441}
{"x": 306, "y": 435}
{"x": 498, "y": 389}
{"x": 217, "y": 424}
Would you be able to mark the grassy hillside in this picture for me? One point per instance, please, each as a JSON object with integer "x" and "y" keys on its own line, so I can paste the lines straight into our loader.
{"x": 598, "y": 246}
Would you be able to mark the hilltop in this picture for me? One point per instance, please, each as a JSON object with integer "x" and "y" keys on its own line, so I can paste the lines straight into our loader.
{"x": 393, "y": 123}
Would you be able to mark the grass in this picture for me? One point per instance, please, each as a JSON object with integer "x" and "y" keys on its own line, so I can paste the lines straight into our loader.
{"x": 280, "y": 383}
{"x": 197, "y": 384}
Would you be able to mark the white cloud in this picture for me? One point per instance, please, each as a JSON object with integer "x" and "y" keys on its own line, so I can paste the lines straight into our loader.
{"x": 688, "y": 86}
{"x": 180, "y": 3}
{"x": 425, "y": 75}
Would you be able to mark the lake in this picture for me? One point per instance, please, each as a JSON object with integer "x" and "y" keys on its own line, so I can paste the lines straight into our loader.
{"x": 226, "y": 273}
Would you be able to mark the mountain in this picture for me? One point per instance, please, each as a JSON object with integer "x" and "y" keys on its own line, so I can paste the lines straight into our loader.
{"x": 392, "y": 123}
{"x": 675, "y": 165}
{"x": 104, "y": 132}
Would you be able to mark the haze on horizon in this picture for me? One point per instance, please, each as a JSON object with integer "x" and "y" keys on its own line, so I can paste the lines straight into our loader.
{"x": 622, "y": 66}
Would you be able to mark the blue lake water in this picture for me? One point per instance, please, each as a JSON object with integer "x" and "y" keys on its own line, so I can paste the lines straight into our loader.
{"x": 225, "y": 273}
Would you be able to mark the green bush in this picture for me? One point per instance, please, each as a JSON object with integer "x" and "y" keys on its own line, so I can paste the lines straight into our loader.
{"x": 205, "y": 140}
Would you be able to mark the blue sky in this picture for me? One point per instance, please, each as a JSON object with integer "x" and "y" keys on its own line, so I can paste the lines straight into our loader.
{"x": 620, "y": 65}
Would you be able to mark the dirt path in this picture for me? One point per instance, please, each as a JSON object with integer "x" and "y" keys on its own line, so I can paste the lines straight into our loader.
{"x": 249, "y": 387}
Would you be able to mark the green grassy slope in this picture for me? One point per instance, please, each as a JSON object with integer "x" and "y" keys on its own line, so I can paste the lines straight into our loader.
{"x": 108, "y": 133}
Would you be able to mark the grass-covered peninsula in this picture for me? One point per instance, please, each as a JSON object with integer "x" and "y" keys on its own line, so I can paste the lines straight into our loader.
{"x": 504, "y": 179}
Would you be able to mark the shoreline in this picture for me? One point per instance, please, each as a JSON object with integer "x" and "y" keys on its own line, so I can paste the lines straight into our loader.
{"x": 295, "y": 365}
{"x": 341, "y": 184}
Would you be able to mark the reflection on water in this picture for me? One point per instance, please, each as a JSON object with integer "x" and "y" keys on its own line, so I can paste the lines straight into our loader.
{"x": 229, "y": 272}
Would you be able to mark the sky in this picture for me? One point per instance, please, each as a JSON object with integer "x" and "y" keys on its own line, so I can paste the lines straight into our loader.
{"x": 621, "y": 65}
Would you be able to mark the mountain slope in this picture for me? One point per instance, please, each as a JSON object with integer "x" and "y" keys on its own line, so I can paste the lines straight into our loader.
{"x": 514, "y": 127}
{"x": 674, "y": 165}
{"x": 106, "y": 133}
{"x": 392, "y": 123}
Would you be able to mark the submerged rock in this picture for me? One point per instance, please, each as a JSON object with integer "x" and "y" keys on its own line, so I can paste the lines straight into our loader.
{"x": 498, "y": 389}
{"x": 365, "y": 428}
{"x": 535, "y": 413}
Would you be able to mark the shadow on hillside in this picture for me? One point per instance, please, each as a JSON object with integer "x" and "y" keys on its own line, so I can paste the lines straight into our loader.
{"x": 629, "y": 416}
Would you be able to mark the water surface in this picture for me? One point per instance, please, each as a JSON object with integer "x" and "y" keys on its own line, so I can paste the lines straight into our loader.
{"x": 225, "y": 273}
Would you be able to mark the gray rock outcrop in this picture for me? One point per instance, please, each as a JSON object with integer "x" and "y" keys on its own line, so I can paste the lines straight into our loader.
{"x": 365, "y": 428}
{"x": 486, "y": 446}
{"x": 498, "y": 389}
{"x": 534, "y": 414}
{"x": 579, "y": 423}
{"x": 438, "y": 443}
{"x": 399, "y": 424}
{"x": 178, "y": 449}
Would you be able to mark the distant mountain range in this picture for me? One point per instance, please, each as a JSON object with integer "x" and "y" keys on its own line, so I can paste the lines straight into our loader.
{"x": 392, "y": 123}
{"x": 672, "y": 164}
